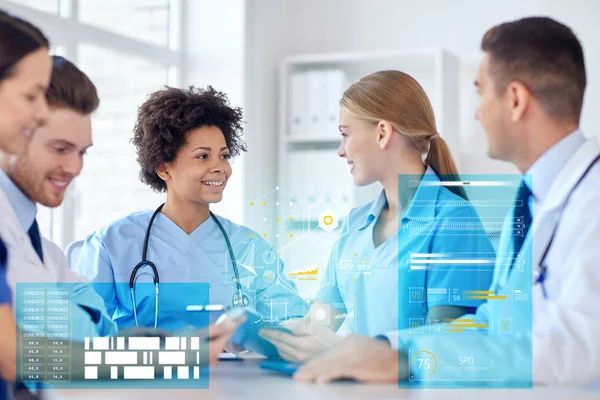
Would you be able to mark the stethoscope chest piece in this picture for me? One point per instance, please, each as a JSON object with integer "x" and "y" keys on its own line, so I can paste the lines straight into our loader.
{"x": 240, "y": 300}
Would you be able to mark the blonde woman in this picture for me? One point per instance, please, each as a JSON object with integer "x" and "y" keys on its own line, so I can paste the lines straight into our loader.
{"x": 389, "y": 135}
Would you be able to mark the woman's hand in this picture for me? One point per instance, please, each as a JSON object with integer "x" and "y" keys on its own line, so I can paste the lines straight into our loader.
{"x": 219, "y": 336}
{"x": 304, "y": 343}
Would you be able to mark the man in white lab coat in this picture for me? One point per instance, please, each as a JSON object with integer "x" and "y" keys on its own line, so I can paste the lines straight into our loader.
{"x": 531, "y": 84}
{"x": 53, "y": 158}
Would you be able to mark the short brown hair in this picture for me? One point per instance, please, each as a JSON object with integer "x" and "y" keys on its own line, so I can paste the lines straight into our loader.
{"x": 545, "y": 56}
{"x": 71, "y": 88}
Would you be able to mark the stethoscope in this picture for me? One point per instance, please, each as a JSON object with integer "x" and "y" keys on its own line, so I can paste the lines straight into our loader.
{"x": 540, "y": 275}
{"x": 239, "y": 298}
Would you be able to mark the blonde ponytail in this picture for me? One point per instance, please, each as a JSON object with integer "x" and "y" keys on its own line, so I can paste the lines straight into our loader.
{"x": 398, "y": 98}
{"x": 440, "y": 159}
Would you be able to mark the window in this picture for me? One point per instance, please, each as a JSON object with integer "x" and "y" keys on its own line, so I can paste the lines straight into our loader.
{"x": 128, "y": 49}
{"x": 145, "y": 20}
{"x": 109, "y": 187}
{"x": 49, "y": 6}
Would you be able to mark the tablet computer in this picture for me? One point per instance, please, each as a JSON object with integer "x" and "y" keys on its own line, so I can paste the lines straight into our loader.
{"x": 247, "y": 333}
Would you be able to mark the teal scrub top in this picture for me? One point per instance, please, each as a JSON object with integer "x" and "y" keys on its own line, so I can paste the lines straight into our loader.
{"x": 378, "y": 289}
{"x": 194, "y": 269}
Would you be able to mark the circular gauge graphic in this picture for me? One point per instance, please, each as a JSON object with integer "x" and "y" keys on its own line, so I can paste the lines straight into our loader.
{"x": 423, "y": 361}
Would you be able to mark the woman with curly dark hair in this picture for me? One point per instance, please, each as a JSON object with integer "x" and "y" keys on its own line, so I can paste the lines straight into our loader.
{"x": 185, "y": 139}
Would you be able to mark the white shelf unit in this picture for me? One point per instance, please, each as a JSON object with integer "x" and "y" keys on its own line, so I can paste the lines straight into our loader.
{"x": 304, "y": 173}
{"x": 435, "y": 69}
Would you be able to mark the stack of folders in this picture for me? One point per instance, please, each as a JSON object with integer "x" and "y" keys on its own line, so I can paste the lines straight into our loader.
{"x": 313, "y": 100}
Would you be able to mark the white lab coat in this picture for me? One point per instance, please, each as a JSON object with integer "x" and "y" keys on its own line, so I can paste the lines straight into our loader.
{"x": 566, "y": 326}
{"x": 565, "y": 337}
{"x": 24, "y": 266}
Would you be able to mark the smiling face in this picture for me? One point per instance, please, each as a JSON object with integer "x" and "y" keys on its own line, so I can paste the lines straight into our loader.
{"x": 201, "y": 167}
{"x": 360, "y": 148}
{"x": 23, "y": 104}
{"x": 54, "y": 157}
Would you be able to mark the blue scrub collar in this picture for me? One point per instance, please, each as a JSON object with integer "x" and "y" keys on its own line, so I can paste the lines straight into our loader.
{"x": 422, "y": 206}
{"x": 376, "y": 209}
{"x": 425, "y": 201}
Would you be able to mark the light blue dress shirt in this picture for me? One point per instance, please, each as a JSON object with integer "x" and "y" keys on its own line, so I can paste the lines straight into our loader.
{"x": 24, "y": 208}
{"x": 377, "y": 289}
{"x": 187, "y": 266}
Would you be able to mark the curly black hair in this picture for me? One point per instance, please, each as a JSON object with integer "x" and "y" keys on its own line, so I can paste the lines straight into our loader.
{"x": 167, "y": 116}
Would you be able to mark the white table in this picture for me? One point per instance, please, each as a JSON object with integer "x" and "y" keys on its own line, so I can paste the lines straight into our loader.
{"x": 245, "y": 380}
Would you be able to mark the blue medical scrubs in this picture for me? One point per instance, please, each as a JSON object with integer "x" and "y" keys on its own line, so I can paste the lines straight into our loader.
{"x": 378, "y": 288}
{"x": 187, "y": 265}
{"x": 5, "y": 298}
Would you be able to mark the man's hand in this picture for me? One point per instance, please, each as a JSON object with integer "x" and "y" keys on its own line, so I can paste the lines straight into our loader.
{"x": 356, "y": 357}
{"x": 303, "y": 344}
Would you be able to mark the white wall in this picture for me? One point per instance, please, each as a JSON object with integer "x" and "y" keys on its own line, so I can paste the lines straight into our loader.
{"x": 279, "y": 28}
{"x": 213, "y": 48}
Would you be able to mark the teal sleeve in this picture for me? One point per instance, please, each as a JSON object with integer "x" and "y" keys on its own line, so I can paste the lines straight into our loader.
{"x": 82, "y": 323}
{"x": 94, "y": 263}
{"x": 87, "y": 315}
{"x": 91, "y": 303}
